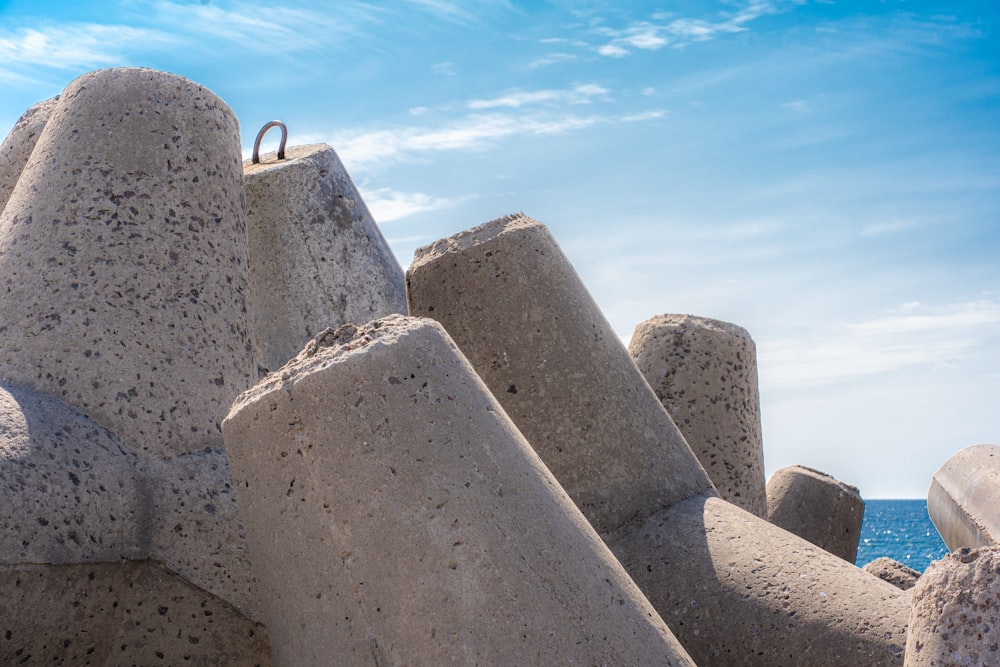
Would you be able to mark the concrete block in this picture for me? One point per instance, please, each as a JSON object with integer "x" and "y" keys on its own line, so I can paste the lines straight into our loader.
{"x": 317, "y": 258}
{"x": 738, "y": 590}
{"x": 964, "y": 498}
{"x": 510, "y": 299}
{"x": 113, "y": 614}
{"x": 19, "y": 143}
{"x": 955, "y": 619}
{"x": 892, "y": 571}
{"x": 70, "y": 491}
{"x": 704, "y": 371}
{"x": 818, "y": 508}
{"x": 422, "y": 527}
{"x": 123, "y": 261}
{"x": 195, "y": 528}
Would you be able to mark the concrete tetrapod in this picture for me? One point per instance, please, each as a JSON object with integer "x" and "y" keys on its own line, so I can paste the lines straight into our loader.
{"x": 317, "y": 258}
{"x": 422, "y": 527}
{"x": 510, "y": 299}
{"x": 817, "y": 507}
{"x": 19, "y": 143}
{"x": 704, "y": 371}
{"x": 123, "y": 260}
{"x": 124, "y": 340}
{"x": 955, "y": 619}
{"x": 964, "y": 498}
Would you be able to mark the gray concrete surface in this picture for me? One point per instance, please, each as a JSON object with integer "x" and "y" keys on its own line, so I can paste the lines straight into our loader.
{"x": 422, "y": 527}
{"x": 19, "y": 143}
{"x": 510, "y": 299}
{"x": 704, "y": 371}
{"x": 964, "y": 498}
{"x": 818, "y": 508}
{"x": 118, "y": 614}
{"x": 123, "y": 261}
{"x": 955, "y": 619}
{"x": 892, "y": 571}
{"x": 317, "y": 258}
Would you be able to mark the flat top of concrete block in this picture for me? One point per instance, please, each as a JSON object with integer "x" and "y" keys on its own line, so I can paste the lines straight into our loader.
{"x": 270, "y": 161}
{"x": 472, "y": 237}
{"x": 817, "y": 475}
{"x": 333, "y": 346}
{"x": 676, "y": 321}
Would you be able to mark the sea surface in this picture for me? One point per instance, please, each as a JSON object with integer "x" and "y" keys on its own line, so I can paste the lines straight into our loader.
{"x": 901, "y": 530}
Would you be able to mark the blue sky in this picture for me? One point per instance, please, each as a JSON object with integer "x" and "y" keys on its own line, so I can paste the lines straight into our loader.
{"x": 825, "y": 174}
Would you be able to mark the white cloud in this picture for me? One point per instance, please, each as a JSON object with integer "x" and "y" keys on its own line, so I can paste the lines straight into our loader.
{"x": 580, "y": 94}
{"x": 387, "y": 205}
{"x": 74, "y": 46}
{"x": 551, "y": 59}
{"x": 800, "y": 106}
{"x": 473, "y": 132}
{"x": 911, "y": 336}
{"x": 612, "y": 51}
{"x": 446, "y": 68}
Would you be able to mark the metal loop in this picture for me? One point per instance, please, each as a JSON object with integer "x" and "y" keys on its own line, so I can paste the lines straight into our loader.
{"x": 260, "y": 135}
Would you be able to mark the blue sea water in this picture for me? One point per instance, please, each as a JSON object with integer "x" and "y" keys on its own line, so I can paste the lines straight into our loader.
{"x": 901, "y": 530}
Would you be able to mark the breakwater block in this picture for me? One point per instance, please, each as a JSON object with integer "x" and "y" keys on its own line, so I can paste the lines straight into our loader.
{"x": 317, "y": 258}
{"x": 19, "y": 143}
{"x": 508, "y": 296}
{"x": 704, "y": 371}
{"x": 897, "y": 574}
{"x": 955, "y": 617}
{"x": 123, "y": 260}
{"x": 396, "y": 515}
{"x": 818, "y": 508}
{"x": 964, "y": 498}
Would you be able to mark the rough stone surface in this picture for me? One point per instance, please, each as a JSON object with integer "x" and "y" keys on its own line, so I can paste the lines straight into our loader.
{"x": 892, "y": 571}
{"x": 705, "y": 373}
{"x": 123, "y": 261}
{"x": 737, "y": 590}
{"x": 117, "y": 614}
{"x": 19, "y": 143}
{"x": 955, "y": 618}
{"x": 423, "y": 528}
{"x": 318, "y": 259}
{"x": 196, "y": 529}
{"x": 818, "y": 508}
{"x": 510, "y": 299}
{"x": 508, "y": 296}
{"x": 70, "y": 491}
{"x": 964, "y": 498}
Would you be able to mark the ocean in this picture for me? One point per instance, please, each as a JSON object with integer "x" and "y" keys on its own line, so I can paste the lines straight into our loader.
{"x": 901, "y": 530}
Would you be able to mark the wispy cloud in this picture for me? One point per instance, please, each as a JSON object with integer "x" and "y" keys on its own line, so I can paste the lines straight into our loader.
{"x": 659, "y": 32}
{"x": 912, "y": 336}
{"x": 363, "y": 149}
{"x": 551, "y": 59}
{"x": 580, "y": 94}
{"x": 387, "y": 205}
{"x": 74, "y": 46}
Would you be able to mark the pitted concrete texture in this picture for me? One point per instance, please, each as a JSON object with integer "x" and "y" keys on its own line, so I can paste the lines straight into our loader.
{"x": 739, "y": 591}
{"x": 516, "y": 308}
{"x": 508, "y": 296}
{"x": 318, "y": 259}
{"x": 396, "y": 516}
{"x": 196, "y": 528}
{"x": 70, "y": 491}
{"x": 19, "y": 143}
{"x": 704, "y": 371}
{"x": 897, "y": 574}
{"x": 818, "y": 508}
{"x": 123, "y": 261}
{"x": 117, "y": 614}
{"x": 955, "y": 618}
{"x": 964, "y": 498}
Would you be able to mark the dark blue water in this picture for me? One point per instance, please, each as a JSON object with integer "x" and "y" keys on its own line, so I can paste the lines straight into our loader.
{"x": 901, "y": 530}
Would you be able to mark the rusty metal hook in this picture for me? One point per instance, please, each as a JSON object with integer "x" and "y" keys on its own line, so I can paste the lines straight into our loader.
{"x": 260, "y": 135}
